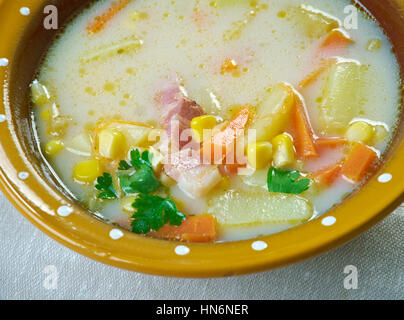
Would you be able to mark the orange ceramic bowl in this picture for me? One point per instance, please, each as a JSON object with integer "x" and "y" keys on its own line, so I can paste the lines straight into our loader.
{"x": 30, "y": 185}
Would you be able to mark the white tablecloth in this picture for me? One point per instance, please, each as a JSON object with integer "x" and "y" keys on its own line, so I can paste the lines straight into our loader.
{"x": 34, "y": 266}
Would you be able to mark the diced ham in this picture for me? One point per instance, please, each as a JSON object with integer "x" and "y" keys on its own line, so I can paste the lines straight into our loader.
{"x": 183, "y": 161}
{"x": 177, "y": 111}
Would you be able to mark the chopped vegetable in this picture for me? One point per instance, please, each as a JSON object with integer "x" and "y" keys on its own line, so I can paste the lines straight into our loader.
{"x": 111, "y": 143}
{"x": 359, "y": 161}
{"x": 99, "y": 22}
{"x": 360, "y": 131}
{"x": 284, "y": 152}
{"x": 87, "y": 171}
{"x": 225, "y": 140}
{"x": 273, "y": 113}
{"x": 335, "y": 40}
{"x": 374, "y": 45}
{"x": 153, "y": 212}
{"x": 126, "y": 204}
{"x": 106, "y": 186}
{"x": 302, "y": 131}
{"x": 259, "y": 154}
{"x": 343, "y": 95}
{"x": 314, "y": 23}
{"x": 53, "y": 147}
{"x": 313, "y": 76}
{"x": 230, "y": 207}
{"x": 286, "y": 181}
{"x": 142, "y": 179}
{"x": 326, "y": 143}
{"x": 193, "y": 229}
{"x": 39, "y": 93}
{"x": 80, "y": 144}
{"x": 199, "y": 124}
{"x": 328, "y": 175}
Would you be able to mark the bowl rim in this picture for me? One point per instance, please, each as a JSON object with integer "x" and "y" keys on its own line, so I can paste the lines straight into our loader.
{"x": 66, "y": 222}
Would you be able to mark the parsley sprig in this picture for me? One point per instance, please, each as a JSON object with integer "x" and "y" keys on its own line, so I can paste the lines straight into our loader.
{"x": 106, "y": 186}
{"x": 140, "y": 178}
{"x": 137, "y": 176}
{"x": 152, "y": 212}
{"x": 286, "y": 181}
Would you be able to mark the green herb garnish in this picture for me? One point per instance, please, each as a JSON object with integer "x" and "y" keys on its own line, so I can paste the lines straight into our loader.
{"x": 152, "y": 212}
{"x": 286, "y": 181}
{"x": 106, "y": 186}
{"x": 142, "y": 178}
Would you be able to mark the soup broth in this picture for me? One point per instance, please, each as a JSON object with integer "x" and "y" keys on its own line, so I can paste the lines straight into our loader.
{"x": 300, "y": 106}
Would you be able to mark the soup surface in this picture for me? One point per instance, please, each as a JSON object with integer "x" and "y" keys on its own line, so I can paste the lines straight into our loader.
{"x": 216, "y": 120}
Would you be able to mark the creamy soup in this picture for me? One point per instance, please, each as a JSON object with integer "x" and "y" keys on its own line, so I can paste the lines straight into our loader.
{"x": 217, "y": 120}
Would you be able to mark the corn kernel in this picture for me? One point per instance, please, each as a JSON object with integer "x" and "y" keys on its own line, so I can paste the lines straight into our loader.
{"x": 259, "y": 154}
{"x": 199, "y": 124}
{"x": 39, "y": 93}
{"x": 360, "y": 131}
{"x": 284, "y": 152}
{"x": 126, "y": 204}
{"x": 87, "y": 171}
{"x": 53, "y": 147}
{"x": 111, "y": 143}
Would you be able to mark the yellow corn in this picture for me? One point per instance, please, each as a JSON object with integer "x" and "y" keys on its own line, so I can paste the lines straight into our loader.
{"x": 284, "y": 152}
{"x": 259, "y": 154}
{"x": 53, "y": 147}
{"x": 111, "y": 143}
{"x": 39, "y": 93}
{"x": 87, "y": 171}
{"x": 360, "y": 131}
{"x": 126, "y": 204}
{"x": 199, "y": 124}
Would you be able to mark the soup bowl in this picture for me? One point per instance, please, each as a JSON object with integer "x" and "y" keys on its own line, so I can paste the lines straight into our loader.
{"x": 31, "y": 185}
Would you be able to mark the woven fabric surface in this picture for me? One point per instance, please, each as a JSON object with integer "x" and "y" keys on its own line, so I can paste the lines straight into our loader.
{"x": 28, "y": 258}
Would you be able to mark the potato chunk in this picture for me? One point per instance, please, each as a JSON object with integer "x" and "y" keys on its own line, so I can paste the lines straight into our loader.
{"x": 314, "y": 23}
{"x": 343, "y": 97}
{"x": 258, "y": 206}
{"x": 273, "y": 113}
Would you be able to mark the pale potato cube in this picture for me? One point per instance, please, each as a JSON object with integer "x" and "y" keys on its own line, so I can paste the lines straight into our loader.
{"x": 273, "y": 113}
{"x": 111, "y": 143}
{"x": 257, "y": 206}
{"x": 80, "y": 145}
{"x": 343, "y": 97}
{"x": 360, "y": 131}
{"x": 312, "y": 22}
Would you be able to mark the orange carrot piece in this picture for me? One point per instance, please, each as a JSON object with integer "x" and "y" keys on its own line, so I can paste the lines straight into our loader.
{"x": 359, "y": 161}
{"x": 225, "y": 140}
{"x": 324, "y": 143}
{"x": 99, "y": 22}
{"x": 324, "y": 65}
{"x": 328, "y": 175}
{"x": 193, "y": 229}
{"x": 302, "y": 131}
{"x": 336, "y": 39}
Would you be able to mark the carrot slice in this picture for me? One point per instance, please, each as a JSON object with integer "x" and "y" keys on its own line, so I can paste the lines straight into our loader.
{"x": 328, "y": 175}
{"x": 324, "y": 143}
{"x": 99, "y": 22}
{"x": 302, "y": 131}
{"x": 225, "y": 140}
{"x": 193, "y": 229}
{"x": 359, "y": 161}
{"x": 324, "y": 65}
{"x": 336, "y": 39}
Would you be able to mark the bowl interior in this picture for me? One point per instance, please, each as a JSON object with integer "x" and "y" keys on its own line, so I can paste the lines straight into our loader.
{"x": 40, "y": 196}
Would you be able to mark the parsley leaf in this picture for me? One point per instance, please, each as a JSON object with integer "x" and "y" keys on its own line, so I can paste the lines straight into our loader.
{"x": 286, "y": 181}
{"x": 143, "y": 179}
{"x": 104, "y": 184}
{"x": 152, "y": 212}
